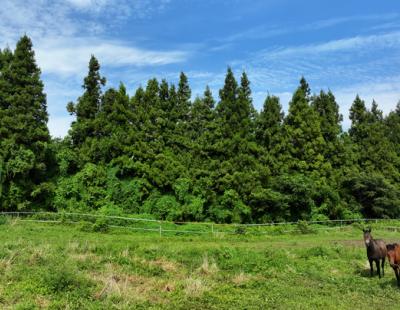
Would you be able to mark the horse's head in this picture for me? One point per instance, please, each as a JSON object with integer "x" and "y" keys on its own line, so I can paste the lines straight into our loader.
{"x": 367, "y": 236}
{"x": 391, "y": 254}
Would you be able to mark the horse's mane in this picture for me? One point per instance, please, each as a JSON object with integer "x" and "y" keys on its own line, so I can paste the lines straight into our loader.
{"x": 391, "y": 246}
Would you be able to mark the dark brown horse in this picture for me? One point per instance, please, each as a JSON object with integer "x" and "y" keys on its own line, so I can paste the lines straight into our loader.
{"x": 376, "y": 251}
{"x": 393, "y": 254}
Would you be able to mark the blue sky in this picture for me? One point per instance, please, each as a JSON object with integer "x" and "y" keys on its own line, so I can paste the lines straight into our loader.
{"x": 349, "y": 47}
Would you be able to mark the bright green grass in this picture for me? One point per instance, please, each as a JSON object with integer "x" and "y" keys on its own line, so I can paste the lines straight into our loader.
{"x": 59, "y": 267}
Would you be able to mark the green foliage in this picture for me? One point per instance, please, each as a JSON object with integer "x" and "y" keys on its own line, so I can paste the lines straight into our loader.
{"x": 159, "y": 153}
{"x": 167, "y": 207}
{"x": 61, "y": 279}
{"x": 101, "y": 225}
{"x": 3, "y": 220}
{"x": 303, "y": 227}
{"x": 25, "y": 153}
{"x": 85, "y": 226}
{"x": 375, "y": 195}
{"x": 231, "y": 209}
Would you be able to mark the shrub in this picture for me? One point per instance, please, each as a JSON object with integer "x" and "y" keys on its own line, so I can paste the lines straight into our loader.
{"x": 60, "y": 279}
{"x": 240, "y": 230}
{"x": 100, "y": 225}
{"x": 304, "y": 228}
{"x": 3, "y": 220}
{"x": 85, "y": 226}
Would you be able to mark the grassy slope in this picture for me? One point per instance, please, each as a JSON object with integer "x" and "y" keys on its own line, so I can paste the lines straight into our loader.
{"x": 58, "y": 267}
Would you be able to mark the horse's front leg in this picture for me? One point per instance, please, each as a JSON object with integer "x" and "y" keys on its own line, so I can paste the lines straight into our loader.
{"x": 371, "y": 267}
{"x": 383, "y": 267}
{"x": 396, "y": 272}
{"x": 378, "y": 268}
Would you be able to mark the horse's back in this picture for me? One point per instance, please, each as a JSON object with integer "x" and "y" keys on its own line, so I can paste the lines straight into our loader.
{"x": 382, "y": 247}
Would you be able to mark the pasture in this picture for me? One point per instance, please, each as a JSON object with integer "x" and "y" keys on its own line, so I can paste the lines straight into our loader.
{"x": 59, "y": 266}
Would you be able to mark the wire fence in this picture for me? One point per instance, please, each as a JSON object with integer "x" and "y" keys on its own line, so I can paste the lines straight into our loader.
{"x": 196, "y": 228}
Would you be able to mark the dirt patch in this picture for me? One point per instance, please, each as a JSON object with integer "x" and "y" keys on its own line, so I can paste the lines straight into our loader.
{"x": 113, "y": 282}
{"x": 195, "y": 287}
{"x": 42, "y": 302}
{"x": 131, "y": 287}
{"x": 207, "y": 267}
{"x": 166, "y": 265}
{"x": 241, "y": 279}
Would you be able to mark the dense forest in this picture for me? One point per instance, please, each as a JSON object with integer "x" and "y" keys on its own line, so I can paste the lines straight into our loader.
{"x": 160, "y": 152}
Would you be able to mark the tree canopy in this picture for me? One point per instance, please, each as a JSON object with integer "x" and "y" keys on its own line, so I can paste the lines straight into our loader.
{"x": 160, "y": 150}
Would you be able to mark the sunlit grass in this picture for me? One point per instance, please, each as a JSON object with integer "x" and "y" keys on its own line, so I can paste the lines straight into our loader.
{"x": 58, "y": 266}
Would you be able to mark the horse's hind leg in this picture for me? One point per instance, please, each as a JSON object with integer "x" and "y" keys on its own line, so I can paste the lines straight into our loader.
{"x": 378, "y": 267}
{"x": 383, "y": 266}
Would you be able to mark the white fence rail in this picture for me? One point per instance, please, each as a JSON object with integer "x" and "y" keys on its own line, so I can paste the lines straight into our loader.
{"x": 200, "y": 228}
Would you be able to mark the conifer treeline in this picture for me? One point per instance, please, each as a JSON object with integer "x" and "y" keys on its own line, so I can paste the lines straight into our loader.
{"x": 161, "y": 153}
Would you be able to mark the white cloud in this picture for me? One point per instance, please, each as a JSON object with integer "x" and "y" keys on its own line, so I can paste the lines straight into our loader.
{"x": 44, "y": 18}
{"x": 59, "y": 126}
{"x": 385, "y": 92}
{"x": 70, "y": 56}
{"x": 64, "y": 41}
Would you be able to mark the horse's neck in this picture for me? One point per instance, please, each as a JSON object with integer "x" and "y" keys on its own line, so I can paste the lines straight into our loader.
{"x": 372, "y": 244}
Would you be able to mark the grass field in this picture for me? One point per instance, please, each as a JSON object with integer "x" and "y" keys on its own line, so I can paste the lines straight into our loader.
{"x": 45, "y": 266}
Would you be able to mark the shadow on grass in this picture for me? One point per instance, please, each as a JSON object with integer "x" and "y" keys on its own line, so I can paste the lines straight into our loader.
{"x": 364, "y": 272}
{"x": 388, "y": 280}
{"x": 392, "y": 283}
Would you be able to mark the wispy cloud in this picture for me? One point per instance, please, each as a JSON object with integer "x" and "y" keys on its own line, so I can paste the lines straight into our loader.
{"x": 387, "y": 40}
{"x": 45, "y": 18}
{"x": 70, "y": 56}
{"x": 263, "y": 31}
{"x": 353, "y": 60}
{"x": 330, "y": 22}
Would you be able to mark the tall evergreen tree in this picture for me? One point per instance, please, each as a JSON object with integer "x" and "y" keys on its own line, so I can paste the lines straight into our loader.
{"x": 226, "y": 109}
{"x": 180, "y": 114}
{"x": 269, "y": 123}
{"x": 269, "y": 134}
{"x": 392, "y": 122}
{"x": 183, "y": 94}
{"x": 330, "y": 122}
{"x": 5, "y": 58}
{"x": 359, "y": 119}
{"x": 88, "y": 105}
{"x": 24, "y": 136}
{"x": 368, "y": 131}
{"x": 302, "y": 126}
{"x": 202, "y": 114}
{"x": 112, "y": 125}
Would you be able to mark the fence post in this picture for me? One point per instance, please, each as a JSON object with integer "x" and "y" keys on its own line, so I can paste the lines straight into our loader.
{"x": 160, "y": 228}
